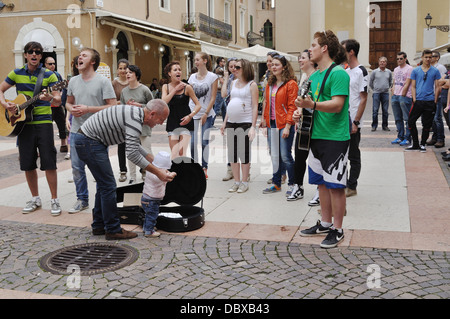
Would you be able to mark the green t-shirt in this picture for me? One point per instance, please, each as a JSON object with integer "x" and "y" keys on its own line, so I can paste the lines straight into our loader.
{"x": 331, "y": 126}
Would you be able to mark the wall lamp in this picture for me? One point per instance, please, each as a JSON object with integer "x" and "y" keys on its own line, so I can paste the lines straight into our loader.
{"x": 443, "y": 28}
{"x": 114, "y": 42}
{"x": 146, "y": 47}
{"x": 77, "y": 43}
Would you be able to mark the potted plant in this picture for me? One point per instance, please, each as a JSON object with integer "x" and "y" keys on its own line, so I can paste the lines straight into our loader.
{"x": 189, "y": 27}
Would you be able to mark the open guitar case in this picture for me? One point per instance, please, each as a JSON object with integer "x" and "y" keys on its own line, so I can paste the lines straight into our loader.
{"x": 186, "y": 190}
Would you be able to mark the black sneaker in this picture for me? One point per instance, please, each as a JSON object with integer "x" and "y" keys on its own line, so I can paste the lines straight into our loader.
{"x": 316, "y": 230}
{"x": 297, "y": 193}
{"x": 333, "y": 238}
{"x": 412, "y": 148}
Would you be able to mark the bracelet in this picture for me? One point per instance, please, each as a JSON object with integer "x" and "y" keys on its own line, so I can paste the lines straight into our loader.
{"x": 314, "y": 108}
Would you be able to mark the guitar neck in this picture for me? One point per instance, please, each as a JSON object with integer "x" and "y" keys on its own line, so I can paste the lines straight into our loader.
{"x": 32, "y": 100}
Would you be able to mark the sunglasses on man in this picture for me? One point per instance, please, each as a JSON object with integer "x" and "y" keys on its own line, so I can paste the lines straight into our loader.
{"x": 37, "y": 52}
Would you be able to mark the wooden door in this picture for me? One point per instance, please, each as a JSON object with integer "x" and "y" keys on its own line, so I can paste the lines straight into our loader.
{"x": 385, "y": 35}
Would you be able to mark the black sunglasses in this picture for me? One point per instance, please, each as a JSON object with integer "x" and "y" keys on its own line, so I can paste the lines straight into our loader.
{"x": 51, "y": 63}
{"x": 425, "y": 76}
{"x": 280, "y": 57}
{"x": 237, "y": 67}
{"x": 31, "y": 51}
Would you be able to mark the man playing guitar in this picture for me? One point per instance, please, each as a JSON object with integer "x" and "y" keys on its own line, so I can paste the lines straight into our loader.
{"x": 37, "y": 135}
{"x": 330, "y": 135}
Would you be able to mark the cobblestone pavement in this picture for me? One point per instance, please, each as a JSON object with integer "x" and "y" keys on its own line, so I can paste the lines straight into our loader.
{"x": 177, "y": 266}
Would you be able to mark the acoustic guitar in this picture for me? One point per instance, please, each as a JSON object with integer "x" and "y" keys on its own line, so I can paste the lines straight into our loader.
{"x": 306, "y": 121}
{"x": 11, "y": 124}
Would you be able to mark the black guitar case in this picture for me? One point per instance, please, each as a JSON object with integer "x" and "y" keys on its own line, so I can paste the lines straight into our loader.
{"x": 186, "y": 190}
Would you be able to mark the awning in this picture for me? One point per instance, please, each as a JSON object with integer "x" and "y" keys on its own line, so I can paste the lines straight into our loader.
{"x": 176, "y": 38}
{"x": 225, "y": 52}
{"x": 260, "y": 53}
{"x": 164, "y": 35}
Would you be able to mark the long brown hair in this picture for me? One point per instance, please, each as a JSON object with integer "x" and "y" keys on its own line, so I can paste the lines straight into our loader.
{"x": 248, "y": 73}
{"x": 286, "y": 75}
{"x": 205, "y": 56}
{"x": 168, "y": 68}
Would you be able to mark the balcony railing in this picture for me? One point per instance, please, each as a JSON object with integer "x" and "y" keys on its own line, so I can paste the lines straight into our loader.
{"x": 201, "y": 22}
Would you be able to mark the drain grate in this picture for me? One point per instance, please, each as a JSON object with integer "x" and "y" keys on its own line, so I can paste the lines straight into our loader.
{"x": 91, "y": 258}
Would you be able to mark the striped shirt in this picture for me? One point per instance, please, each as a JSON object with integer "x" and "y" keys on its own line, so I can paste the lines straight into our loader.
{"x": 118, "y": 124}
{"x": 25, "y": 83}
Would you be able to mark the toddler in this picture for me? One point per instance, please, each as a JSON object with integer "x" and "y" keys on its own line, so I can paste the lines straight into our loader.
{"x": 153, "y": 193}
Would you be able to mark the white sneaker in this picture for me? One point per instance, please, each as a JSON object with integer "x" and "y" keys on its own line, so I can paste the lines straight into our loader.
{"x": 56, "y": 207}
{"x": 234, "y": 188}
{"x": 242, "y": 188}
{"x": 78, "y": 207}
{"x": 315, "y": 201}
{"x": 123, "y": 176}
{"x": 32, "y": 205}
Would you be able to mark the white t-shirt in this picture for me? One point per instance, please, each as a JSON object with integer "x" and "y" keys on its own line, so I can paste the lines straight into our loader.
{"x": 154, "y": 187}
{"x": 442, "y": 69}
{"x": 203, "y": 91}
{"x": 359, "y": 79}
{"x": 239, "y": 110}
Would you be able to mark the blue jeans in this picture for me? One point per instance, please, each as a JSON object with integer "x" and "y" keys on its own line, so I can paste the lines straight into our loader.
{"x": 382, "y": 98}
{"x": 401, "y": 105}
{"x": 206, "y": 128}
{"x": 78, "y": 171}
{"x": 219, "y": 106}
{"x": 151, "y": 209}
{"x": 281, "y": 154}
{"x": 438, "y": 123}
{"x": 96, "y": 157}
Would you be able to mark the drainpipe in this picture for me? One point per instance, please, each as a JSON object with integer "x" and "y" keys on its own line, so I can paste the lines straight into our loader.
{"x": 148, "y": 11}
{"x": 235, "y": 22}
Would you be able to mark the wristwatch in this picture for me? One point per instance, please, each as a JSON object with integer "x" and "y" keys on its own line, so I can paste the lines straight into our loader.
{"x": 356, "y": 123}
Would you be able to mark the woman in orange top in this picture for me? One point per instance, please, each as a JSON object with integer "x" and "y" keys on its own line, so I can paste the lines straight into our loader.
{"x": 281, "y": 92}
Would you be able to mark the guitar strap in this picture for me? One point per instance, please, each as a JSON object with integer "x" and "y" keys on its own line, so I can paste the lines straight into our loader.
{"x": 325, "y": 79}
{"x": 40, "y": 79}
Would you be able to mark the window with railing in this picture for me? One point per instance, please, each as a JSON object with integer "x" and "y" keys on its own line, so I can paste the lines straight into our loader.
{"x": 201, "y": 22}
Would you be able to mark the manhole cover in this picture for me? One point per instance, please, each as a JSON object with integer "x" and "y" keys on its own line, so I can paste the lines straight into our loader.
{"x": 92, "y": 258}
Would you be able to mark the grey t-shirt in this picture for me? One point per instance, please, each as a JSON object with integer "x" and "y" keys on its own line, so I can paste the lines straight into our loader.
{"x": 141, "y": 95}
{"x": 93, "y": 92}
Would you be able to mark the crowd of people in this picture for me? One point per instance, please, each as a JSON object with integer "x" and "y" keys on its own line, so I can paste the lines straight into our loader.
{"x": 99, "y": 113}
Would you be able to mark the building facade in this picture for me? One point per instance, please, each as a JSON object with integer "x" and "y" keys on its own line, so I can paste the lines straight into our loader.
{"x": 382, "y": 27}
{"x": 151, "y": 33}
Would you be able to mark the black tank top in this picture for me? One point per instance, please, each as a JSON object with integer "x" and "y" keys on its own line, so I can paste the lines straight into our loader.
{"x": 179, "y": 108}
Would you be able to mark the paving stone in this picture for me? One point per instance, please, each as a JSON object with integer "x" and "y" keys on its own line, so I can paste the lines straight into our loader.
{"x": 176, "y": 266}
